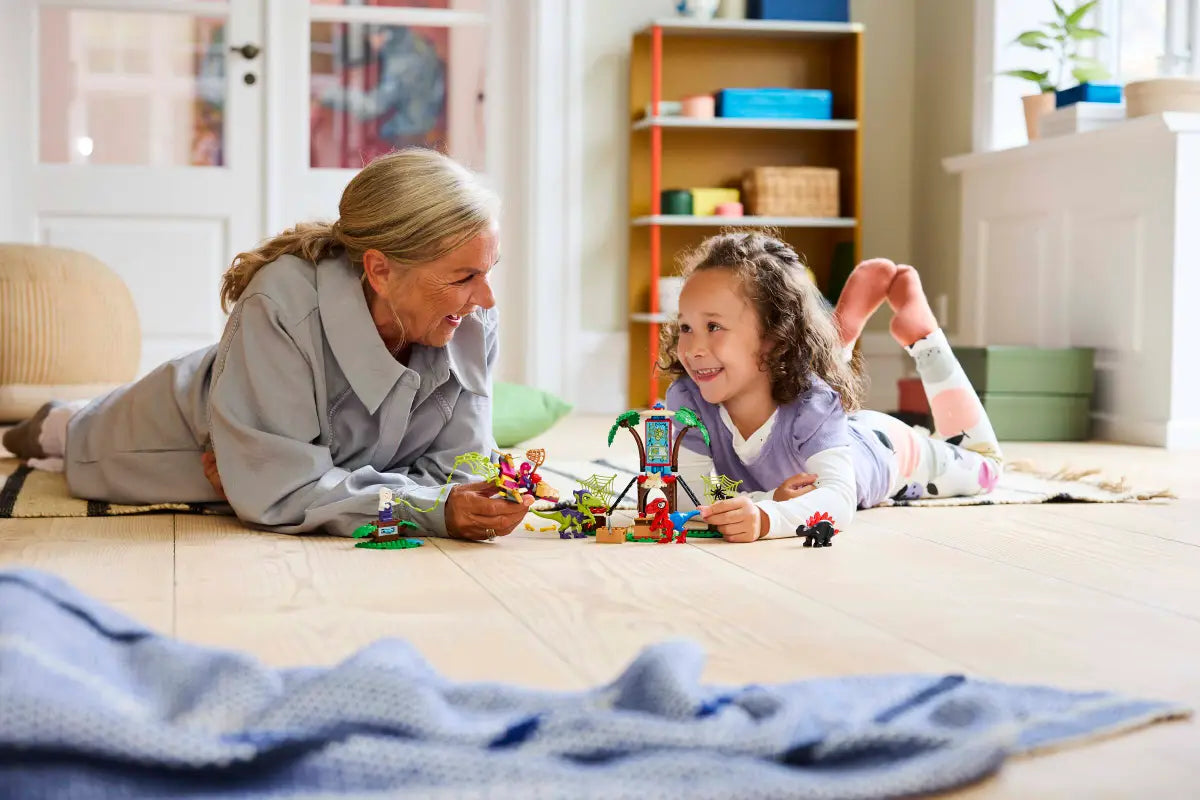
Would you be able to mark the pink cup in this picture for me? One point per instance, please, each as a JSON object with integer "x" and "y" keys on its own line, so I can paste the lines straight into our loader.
{"x": 729, "y": 210}
{"x": 699, "y": 105}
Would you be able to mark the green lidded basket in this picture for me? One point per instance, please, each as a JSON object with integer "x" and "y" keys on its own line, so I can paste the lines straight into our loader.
{"x": 1032, "y": 393}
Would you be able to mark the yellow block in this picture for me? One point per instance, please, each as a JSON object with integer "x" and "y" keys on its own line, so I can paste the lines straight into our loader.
{"x": 705, "y": 201}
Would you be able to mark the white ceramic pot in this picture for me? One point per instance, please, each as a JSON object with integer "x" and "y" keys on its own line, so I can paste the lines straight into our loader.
{"x": 1160, "y": 95}
{"x": 698, "y": 9}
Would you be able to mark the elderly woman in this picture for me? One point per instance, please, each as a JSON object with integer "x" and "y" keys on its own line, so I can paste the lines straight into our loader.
{"x": 357, "y": 355}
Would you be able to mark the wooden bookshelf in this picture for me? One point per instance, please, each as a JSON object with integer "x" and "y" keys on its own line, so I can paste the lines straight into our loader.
{"x": 674, "y": 58}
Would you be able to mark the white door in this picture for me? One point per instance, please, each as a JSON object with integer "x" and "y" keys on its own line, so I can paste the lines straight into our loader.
{"x": 351, "y": 79}
{"x": 138, "y": 140}
{"x": 362, "y": 77}
{"x": 166, "y": 136}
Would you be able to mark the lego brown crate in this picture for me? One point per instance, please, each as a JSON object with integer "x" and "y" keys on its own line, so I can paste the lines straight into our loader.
{"x": 609, "y": 535}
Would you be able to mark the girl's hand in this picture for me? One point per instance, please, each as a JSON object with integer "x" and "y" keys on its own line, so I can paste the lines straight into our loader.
{"x": 473, "y": 513}
{"x": 803, "y": 483}
{"x": 208, "y": 460}
{"x": 738, "y": 519}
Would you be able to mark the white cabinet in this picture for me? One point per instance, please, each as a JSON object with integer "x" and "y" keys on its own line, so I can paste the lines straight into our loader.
{"x": 1093, "y": 240}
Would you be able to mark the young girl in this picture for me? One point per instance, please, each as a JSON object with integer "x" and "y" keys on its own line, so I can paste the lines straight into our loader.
{"x": 759, "y": 357}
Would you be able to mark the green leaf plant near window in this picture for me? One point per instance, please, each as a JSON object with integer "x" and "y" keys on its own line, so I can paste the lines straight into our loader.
{"x": 1061, "y": 38}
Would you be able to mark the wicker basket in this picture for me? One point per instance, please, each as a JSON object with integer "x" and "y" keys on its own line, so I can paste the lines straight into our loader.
{"x": 791, "y": 191}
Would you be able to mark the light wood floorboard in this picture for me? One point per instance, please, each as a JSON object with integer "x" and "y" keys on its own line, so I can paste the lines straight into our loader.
{"x": 128, "y": 562}
{"x": 1076, "y": 596}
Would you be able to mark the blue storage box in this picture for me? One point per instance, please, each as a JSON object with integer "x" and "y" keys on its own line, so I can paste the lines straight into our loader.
{"x": 808, "y": 10}
{"x": 1088, "y": 93}
{"x": 775, "y": 103}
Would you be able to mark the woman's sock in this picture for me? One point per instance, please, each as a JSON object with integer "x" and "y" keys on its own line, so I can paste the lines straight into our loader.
{"x": 22, "y": 440}
{"x": 44, "y": 435}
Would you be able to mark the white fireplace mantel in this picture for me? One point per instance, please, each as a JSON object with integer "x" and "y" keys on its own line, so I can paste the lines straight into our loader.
{"x": 1093, "y": 240}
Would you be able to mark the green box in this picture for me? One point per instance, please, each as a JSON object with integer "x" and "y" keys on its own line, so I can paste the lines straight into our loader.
{"x": 1033, "y": 394}
{"x": 1039, "y": 417}
{"x": 1029, "y": 370}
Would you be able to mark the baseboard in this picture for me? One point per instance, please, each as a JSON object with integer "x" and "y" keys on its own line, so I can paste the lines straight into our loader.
{"x": 1183, "y": 434}
{"x": 1122, "y": 430}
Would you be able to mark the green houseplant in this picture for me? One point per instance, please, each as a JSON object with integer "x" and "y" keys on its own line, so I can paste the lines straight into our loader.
{"x": 1061, "y": 38}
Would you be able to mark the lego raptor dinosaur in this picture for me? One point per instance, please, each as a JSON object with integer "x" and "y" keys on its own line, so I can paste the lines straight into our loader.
{"x": 575, "y": 518}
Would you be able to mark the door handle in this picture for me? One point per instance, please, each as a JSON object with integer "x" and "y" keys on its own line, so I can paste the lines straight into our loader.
{"x": 248, "y": 50}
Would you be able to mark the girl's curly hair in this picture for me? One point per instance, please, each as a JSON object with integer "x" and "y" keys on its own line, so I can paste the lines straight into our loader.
{"x": 793, "y": 315}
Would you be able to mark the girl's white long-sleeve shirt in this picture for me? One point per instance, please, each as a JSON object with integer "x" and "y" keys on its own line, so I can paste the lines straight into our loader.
{"x": 836, "y": 492}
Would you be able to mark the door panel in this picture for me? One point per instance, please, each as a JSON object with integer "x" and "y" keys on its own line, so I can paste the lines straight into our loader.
{"x": 144, "y": 148}
{"x": 365, "y": 78}
{"x": 146, "y": 133}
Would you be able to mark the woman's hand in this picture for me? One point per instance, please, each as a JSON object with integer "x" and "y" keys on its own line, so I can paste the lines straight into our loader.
{"x": 208, "y": 460}
{"x": 799, "y": 484}
{"x": 473, "y": 513}
{"x": 738, "y": 519}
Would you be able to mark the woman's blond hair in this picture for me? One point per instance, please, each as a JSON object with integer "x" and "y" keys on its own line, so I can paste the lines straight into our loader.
{"x": 413, "y": 205}
{"x": 795, "y": 318}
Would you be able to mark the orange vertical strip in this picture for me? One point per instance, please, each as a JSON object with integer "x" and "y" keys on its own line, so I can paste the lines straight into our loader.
{"x": 655, "y": 198}
{"x": 859, "y": 110}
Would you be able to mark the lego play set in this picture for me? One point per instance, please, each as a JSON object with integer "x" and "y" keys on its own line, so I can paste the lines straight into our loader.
{"x": 589, "y": 511}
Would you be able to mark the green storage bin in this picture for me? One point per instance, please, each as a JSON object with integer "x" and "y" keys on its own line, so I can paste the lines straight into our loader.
{"x": 1029, "y": 370}
{"x": 1033, "y": 394}
{"x": 1039, "y": 417}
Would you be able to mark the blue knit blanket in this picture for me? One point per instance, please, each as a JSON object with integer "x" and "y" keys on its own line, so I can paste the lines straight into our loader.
{"x": 93, "y": 704}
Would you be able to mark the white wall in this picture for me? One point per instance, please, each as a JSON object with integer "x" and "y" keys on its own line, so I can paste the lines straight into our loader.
{"x": 609, "y": 27}
{"x": 944, "y": 99}
{"x": 889, "y": 65}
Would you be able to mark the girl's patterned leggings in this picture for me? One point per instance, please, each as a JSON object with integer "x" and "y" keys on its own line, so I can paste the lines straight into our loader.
{"x": 964, "y": 458}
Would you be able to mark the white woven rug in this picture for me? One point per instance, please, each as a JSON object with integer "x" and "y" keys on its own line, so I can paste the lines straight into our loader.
{"x": 1022, "y": 483}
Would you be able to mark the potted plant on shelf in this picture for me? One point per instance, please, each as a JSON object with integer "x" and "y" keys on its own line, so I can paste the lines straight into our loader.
{"x": 1061, "y": 38}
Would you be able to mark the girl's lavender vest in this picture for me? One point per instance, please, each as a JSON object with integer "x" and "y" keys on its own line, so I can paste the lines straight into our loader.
{"x": 809, "y": 424}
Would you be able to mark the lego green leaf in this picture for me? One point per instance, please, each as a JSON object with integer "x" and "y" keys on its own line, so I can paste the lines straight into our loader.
{"x": 688, "y": 419}
{"x": 627, "y": 420}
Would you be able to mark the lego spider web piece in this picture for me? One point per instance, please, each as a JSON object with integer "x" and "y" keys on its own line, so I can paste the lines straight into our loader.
{"x": 601, "y": 486}
{"x": 722, "y": 486}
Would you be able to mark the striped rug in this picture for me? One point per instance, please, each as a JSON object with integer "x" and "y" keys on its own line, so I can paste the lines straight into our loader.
{"x": 26, "y": 492}
{"x": 33, "y": 493}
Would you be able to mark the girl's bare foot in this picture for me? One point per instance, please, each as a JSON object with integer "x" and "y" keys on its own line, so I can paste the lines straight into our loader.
{"x": 914, "y": 319}
{"x": 863, "y": 294}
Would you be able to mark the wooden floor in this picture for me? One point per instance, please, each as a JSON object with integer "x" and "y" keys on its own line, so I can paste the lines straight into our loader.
{"x": 1078, "y": 596}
